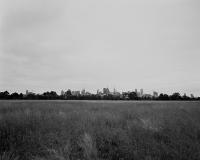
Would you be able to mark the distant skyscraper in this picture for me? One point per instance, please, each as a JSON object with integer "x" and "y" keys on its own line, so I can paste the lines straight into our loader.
{"x": 106, "y": 91}
{"x": 99, "y": 93}
{"x": 136, "y": 91}
{"x": 75, "y": 93}
{"x": 29, "y": 93}
{"x": 83, "y": 92}
{"x": 62, "y": 93}
{"x": 141, "y": 92}
{"x": 26, "y": 92}
{"x": 155, "y": 94}
{"x": 114, "y": 91}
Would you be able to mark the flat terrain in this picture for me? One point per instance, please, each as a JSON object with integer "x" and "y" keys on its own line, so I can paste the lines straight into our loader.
{"x": 99, "y": 130}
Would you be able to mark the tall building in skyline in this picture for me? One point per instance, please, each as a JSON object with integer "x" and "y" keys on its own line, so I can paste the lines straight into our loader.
{"x": 141, "y": 92}
{"x": 26, "y": 92}
{"x": 75, "y": 93}
{"x": 106, "y": 91}
{"x": 155, "y": 94}
{"x": 136, "y": 91}
{"x": 62, "y": 93}
{"x": 83, "y": 92}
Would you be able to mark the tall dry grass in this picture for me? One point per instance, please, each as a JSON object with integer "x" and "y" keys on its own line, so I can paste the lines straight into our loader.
{"x": 89, "y": 130}
{"x": 8, "y": 156}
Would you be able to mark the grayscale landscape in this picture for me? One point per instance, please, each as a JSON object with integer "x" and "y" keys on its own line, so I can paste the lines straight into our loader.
{"x": 99, "y": 79}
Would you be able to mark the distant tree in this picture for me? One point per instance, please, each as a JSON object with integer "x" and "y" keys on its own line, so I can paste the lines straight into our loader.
{"x": 15, "y": 95}
{"x": 185, "y": 97}
{"x": 163, "y": 97}
{"x": 53, "y": 94}
{"x": 133, "y": 96}
{"x": 31, "y": 96}
{"x": 166, "y": 97}
{"x": 21, "y": 96}
{"x": 50, "y": 95}
{"x": 1, "y": 95}
{"x": 4, "y": 95}
{"x": 175, "y": 96}
{"x": 46, "y": 95}
{"x": 68, "y": 93}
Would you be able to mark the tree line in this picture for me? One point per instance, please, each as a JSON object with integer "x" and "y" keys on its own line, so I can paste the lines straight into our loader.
{"x": 52, "y": 95}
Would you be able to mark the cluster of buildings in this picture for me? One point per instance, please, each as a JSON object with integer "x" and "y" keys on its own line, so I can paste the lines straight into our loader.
{"x": 29, "y": 93}
{"x": 140, "y": 93}
{"x": 83, "y": 92}
{"x": 106, "y": 92}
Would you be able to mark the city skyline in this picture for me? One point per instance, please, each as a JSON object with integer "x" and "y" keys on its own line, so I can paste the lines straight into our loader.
{"x": 54, "y": 45}
{"x": 106, "y": 91}
{"x": 104, "y": 94}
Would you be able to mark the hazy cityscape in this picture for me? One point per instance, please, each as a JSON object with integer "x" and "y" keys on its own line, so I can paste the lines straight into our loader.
{"x": 101, "y": 94}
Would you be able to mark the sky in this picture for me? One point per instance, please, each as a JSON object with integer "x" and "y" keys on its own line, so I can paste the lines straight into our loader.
{"x": 124, "y": 44}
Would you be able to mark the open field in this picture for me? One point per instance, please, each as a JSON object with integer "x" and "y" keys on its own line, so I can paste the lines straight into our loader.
{"x": 98, "y": 130}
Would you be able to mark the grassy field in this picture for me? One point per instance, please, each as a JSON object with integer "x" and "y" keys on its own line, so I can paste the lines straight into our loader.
{"x": 99, "y": 130}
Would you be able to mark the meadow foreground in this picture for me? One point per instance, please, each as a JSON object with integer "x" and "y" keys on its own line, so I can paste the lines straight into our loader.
{"x": 99, "y": 130}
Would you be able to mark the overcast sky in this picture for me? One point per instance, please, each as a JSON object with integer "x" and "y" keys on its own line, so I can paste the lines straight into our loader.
{"x": 91, "y": 44}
